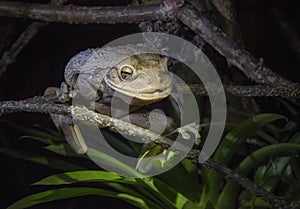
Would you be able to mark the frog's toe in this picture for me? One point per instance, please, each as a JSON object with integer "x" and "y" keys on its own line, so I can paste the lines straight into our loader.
{"x": 52, "y": 90}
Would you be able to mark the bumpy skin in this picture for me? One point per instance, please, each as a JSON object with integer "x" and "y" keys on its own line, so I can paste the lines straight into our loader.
{"x": 92, "y": 69}
{"x": 95, "y": 72}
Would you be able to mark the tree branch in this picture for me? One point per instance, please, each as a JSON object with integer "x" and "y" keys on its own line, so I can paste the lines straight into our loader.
{"x": 229, "y": 22}
{"x": 80, "y": 14}
{"x": 242, "y": 91}
{"x": 253, "y": 68}
{"x": 38, "y": 104}
{"x": 9, "y": 57}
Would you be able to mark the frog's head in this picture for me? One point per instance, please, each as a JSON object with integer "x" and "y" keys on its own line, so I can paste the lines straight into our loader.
{"x": 143, "y": 77}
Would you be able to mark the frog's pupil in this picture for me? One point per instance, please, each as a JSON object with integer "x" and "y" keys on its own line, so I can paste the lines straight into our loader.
{"x": 126, "y": 73}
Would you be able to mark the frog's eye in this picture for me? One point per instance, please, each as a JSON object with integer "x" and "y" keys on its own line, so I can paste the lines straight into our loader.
{"x": 127, "y": 72}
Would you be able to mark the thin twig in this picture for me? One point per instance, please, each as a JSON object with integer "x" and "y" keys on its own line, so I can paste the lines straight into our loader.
{"x": 263, "y": 91}
{"x": 9, "y": 57}
{"x": 242, "y": 91}
{"x": 82, "y": 113}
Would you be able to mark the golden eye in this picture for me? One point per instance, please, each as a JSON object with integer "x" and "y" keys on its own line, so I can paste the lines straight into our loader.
{"x": 127, "y": 72}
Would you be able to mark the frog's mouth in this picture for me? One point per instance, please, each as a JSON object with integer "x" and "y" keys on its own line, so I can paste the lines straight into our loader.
{"x": 147, "y": 95}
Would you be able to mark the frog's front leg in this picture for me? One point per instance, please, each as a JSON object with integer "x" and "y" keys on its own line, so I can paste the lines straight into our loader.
{"x": 65, "y": 123}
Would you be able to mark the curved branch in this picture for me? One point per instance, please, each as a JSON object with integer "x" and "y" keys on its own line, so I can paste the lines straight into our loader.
{"x": 9, "y": 57}
{"x": 253, "y": 68}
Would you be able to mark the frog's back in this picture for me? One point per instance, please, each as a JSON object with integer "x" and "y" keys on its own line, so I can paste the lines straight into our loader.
{"x": 77, "y": 64}
{"x": 99, "y": 60}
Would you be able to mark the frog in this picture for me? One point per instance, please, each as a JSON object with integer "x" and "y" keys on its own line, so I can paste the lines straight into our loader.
{"x": 97, "y": 73}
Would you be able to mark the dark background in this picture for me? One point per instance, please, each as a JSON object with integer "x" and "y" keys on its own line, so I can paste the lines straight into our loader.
{"x": 41, "y": 64}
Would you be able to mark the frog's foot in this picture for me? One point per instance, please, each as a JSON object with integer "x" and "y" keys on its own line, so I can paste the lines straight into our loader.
{"x": 65, "y": 94}
{"x": 52, "y": 90}
{"x": 189, "y": 131}
{"x": 62, "y": 93}
{"x": 155, "y": 157}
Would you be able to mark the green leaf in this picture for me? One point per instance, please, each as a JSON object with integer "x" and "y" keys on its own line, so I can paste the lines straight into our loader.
{"x": 239, "y": 134}
{"x": 139, "y": 191}
{"x": 43, "y": 140}
{"x": 271, "y": 175}
{"x": 191, "y": 205}
{"x": 230, "y": 191}
{"x": 254, "y": 159}
{"x": 79, "y": 176}
{"x": 166, "y": 193}
{"x": 120, "y": 145}
{"x": 274, "y": 168}
{"x": 109, "y": 161}
{"x": 40, "y": 159}
{"x": 184, "y": 178}
{"x": 65, "y": 193}
{"x": 54, "y": 133}
{"x": 227, "y": 149}
{"x": 63, "y": 149}
{"x": 45, "y": 136}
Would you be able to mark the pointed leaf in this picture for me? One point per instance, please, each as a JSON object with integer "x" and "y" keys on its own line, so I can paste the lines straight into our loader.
{"x": 191, "y": 205}
{"x": 240, "y": 133}
{"x": 41, "y": 159}
{"x": 166, "y": 193}
{"x": 79, "y": 176}
{"x": 63, "y": 149}
{"x": 115, "y": 164}
{"x": 184, "y": 178}
{"x": 227, "y": 149}
{"x": 65, "y": 193}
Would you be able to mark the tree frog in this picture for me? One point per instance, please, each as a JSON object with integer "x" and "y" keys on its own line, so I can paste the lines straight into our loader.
{"x": 97, "y": 73}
